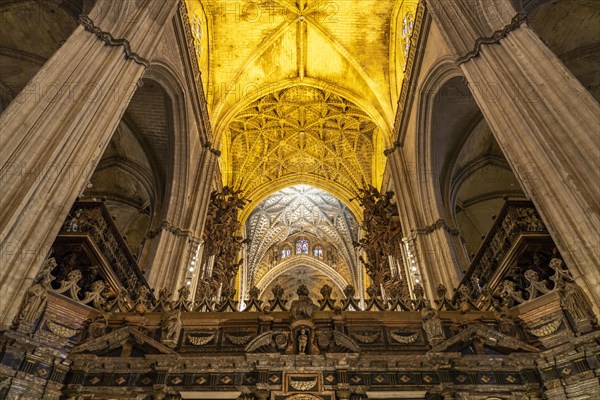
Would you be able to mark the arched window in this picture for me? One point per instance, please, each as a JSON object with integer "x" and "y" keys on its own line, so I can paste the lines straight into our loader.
{"x": 197, "y": 33}
{"x": 302, "y": 246}
{"x": 286, "y": 252}
{"x": 318, "y": 252}
{"x": 408, "y": 23}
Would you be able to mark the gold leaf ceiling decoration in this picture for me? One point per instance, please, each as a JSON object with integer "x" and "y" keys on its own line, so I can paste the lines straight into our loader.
{"x": 301, "y": 135}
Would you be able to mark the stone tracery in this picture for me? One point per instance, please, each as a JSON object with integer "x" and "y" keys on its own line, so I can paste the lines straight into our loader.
{"x": 301, "y": 132}
{"x": 310, "y": 213}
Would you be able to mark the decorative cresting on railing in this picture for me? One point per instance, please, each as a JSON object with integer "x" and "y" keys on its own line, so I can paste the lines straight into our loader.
{"x": 91, "y": 218}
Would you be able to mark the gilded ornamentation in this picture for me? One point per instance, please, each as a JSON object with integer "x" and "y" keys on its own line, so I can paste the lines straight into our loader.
{"x": 61, "y": 330}
{"x": 222, "y": 241}
{"x": 92, "y": 219}
{"x": 516, "y": 218}
{"x": 380, "y": 232}
{"x": 303, "y": 385}
{"x": 404, "y": 339}
{"x": 546, "y": 329}
{"x": 201, "y": 340}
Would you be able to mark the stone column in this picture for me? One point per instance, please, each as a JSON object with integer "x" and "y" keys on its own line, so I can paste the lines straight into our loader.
{"x": 434, "y": 245}
{"x": 55, "y": 131}
{"x": 173, "y": 245}
{"x": 544, "y": 120}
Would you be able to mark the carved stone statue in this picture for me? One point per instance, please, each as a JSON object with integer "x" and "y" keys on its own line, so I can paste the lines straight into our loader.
{"x": 303, "y": 307}
{"x": 432, "y": 325}
{"x": 302, "y": 341}
{"x": 33, "y": 304}
{"x": 506, "y": 324}
{"x": 171, "y": 326}
{"x": 576, "y": 303}
{"x": 98, "y": 326}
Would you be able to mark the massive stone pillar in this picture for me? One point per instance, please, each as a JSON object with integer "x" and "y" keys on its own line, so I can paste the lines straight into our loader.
{"x": 55, "y": 131}
{"x": 434, "y": 242}
{"x": 545, "y": 121}
{"x": 173, "y": 246}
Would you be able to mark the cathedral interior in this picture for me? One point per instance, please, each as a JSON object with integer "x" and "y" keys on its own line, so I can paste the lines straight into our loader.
{"x": 300, "y": 199}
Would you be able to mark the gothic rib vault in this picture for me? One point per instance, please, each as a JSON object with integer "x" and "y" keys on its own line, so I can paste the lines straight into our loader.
{"x": 294, "y": 98}
{"x": 301, "y": 213}
{"x": 291, "y": 80}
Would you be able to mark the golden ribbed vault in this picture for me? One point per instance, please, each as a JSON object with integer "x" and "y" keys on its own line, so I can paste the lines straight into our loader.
{"x": 301, "y": 91}
{"x": 301, "y": 135}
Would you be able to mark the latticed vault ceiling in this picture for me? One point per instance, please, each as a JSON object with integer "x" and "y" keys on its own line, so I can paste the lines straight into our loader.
{"x": 295, "y": 210}
{"x": 301, "y": 91}
{"x": 301, "y": 134}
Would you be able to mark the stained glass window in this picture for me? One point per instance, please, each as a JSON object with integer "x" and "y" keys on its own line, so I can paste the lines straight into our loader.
{"x": 286, "y": 252}
{"x": 318, "y": 252}
{"x": 197, "y": 32}
{"x": 302, "y": 246}
{"x": 408, "y": 23}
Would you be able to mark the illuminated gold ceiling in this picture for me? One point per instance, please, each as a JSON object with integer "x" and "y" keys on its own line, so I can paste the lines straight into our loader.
{"x": 344, "y": 60}
{"x": 301, "y": 135}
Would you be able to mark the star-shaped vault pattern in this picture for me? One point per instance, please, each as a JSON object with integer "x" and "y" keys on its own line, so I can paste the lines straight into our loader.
{"x": 300, "y": 209}
{"x": 301, "y": 133}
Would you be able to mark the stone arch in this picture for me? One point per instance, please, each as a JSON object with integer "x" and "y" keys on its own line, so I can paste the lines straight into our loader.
{"x": 428, "y": 170}
{"x": 179, "y": 140}
{"x": 176, "y": 173}
{"x": 453, "y": 128}
{"x": 300, "y": 261}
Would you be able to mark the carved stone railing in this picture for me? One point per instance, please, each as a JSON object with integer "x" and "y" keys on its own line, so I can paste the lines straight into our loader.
{"x": 107, "y": 345}
{"x": 517, "y": 223}
{"x": 119, "y": 267}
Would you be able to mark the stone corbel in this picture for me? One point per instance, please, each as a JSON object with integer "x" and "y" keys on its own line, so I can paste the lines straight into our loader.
{"x": 109, "y": 40}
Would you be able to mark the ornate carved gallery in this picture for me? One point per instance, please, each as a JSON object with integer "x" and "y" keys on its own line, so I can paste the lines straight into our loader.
{"x": 300, "y": 199}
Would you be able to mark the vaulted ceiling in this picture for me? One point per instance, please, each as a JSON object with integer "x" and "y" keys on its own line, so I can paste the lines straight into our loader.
{"x": 311, "y": 213}
{"x": 301, "y": 134}
{"x": 315, "y": 83}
